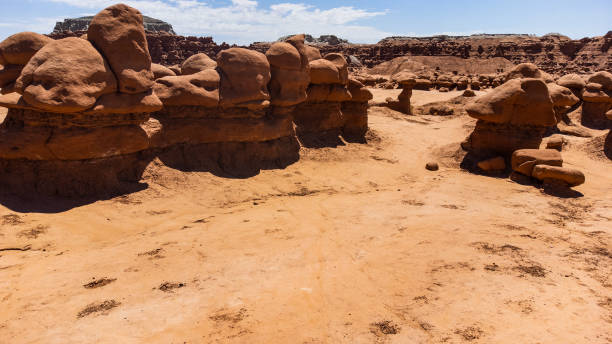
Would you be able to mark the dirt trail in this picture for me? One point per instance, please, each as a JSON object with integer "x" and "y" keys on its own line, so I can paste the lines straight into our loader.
{"x": 355, "y": 244}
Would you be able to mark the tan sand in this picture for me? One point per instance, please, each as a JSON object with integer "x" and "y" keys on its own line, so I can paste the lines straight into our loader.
{"x": 355, "y": 244}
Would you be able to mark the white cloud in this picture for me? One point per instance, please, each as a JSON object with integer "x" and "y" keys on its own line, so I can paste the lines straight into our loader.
{"x": 244, "y": 21}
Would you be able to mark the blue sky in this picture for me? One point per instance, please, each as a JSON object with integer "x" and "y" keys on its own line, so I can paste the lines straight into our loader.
{"x": 360, "y": 21}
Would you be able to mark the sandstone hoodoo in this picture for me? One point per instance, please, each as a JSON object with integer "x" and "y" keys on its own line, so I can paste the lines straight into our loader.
{"x": 406, "y": 80}
{"x": 79, "y": 120}
{"x": 514, "y": 115}
{"x": 597, "y": 100}
{"x": 320, "y": 116}
{"x": 221, "y": 120}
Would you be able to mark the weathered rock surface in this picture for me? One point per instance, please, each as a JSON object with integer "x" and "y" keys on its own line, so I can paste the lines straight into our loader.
{"x": 290, "y": 72}
{"x": 19, "y": 48}
{"x": 555, "y": 174}
{"x": 517, "y": 102}
{"x": 160, "y": 71}
{"x": 244, "y": 78}
{"x": 66, "y": 75}
{"x": 118, "y": 33}
{"x": 524, "y": 160}
{"x": 200, "y": 89}
{"x": 197, "y": 63}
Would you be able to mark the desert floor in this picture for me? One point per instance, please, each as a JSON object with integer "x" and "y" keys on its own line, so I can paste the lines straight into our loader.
{"x": 354, "y": 244}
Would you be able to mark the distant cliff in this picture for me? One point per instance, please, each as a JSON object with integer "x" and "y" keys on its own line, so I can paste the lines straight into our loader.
{"x": 82, "y": 23}
{"x": 553, "y": 53}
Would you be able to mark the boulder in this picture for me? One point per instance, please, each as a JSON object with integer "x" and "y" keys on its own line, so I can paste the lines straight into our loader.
{"x": 556, "y": 174}
{"x": 118, "y": 33}
{"x": 523, "y": 160}
{"x": 469, "y": 93}
{"x": 527, "y": 70}
{"x": 432, "y": 166}
{"x": 572, "y": 81}
{"x": 312, "y": 53}
{"x": 197, "y": 63}
{"x": 244, "y": 78}
{"x": 496, "y": 164}
{"x": 556, "y": 142}
{"x": 517, "y": 102}
{"x": 160, "y": 71}
{"x": 19, "y": 48}
{"x": 67, "y": 75}
{"x": 199, "y": 89}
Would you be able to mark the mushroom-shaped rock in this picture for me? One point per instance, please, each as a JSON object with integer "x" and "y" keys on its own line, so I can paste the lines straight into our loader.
{"x": 118, "y": 33}
{"x": 355, "y": 112}
{"x": 527, "y": 70}
{"x": 518, "y": 102}
{"x": 603, "y": 78}
{"x": 565, "y": 175}
{"x": 197, "y": 63}
{"x": 160, "y": 71}
{"x": 572, "y": 81}
{"x": 523, "y": 160}
{"x": 290, "y": 74}
{"x": 358, "y": 91}
{"x": 19, "y": 48}
{"x": 312, "y": 53}
{"x": 405, "y": 79}
{"x": 595, "y": 93}
{"x": 244, "y": 78}
{"x": 199, "y": 89}
{"x": 67, "y": 75}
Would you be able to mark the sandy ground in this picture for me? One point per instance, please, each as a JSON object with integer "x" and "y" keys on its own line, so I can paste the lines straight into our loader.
{"x": 355, "y": 244}
{"x": 419, "y": 97}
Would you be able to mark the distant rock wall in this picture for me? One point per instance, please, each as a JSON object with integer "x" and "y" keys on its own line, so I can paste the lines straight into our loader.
{"x": 82, "y": 24}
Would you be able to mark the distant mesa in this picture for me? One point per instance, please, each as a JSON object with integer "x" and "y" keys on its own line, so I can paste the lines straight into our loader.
{"x": 82, "y": 24}
{"x": 322, "y": 40}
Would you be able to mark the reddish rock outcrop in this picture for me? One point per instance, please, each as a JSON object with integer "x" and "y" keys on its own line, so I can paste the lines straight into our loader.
{"x": 597, "y": 100}
{"x": 319, "y": 119}
{"x": 513, "y": 116}
{"x": 118, "y": 33}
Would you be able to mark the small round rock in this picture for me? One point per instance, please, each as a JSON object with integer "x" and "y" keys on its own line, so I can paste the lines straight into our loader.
{"x": 432, "y": 166}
